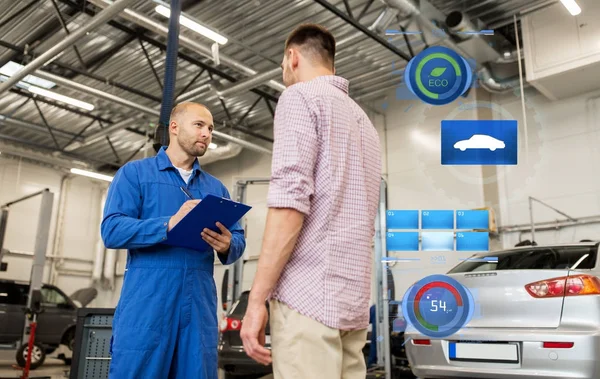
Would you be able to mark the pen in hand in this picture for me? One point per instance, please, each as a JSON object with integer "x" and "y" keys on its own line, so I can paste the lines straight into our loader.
{"x": 187, "y": 193}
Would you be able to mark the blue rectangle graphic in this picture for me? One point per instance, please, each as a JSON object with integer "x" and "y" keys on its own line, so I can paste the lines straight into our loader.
{"x": 472, "y": 219}
{"x": 479, "y": 142}
{"x": 472, "y": 241}
{"x": 437, "y": 220}
{"x": 437, "y": 241}
{"x": 402, "y": 219}
{"x": 403, "y": 241}
{"x": 452, "y": 350}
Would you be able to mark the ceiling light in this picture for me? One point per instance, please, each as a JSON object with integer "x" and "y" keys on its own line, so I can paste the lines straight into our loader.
{"x": 507, "y": 54}
{"x": 571, "y": 6}
{"x": 212, "y": 146}
{"x": 61, "y": 98}
{"x": 11, "y": 68}
{"x": 193, "y": 25}
{"x": 91, "y": 174}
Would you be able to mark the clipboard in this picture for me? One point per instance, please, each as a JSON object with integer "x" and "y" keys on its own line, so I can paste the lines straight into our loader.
{"x": 205, "y": 215}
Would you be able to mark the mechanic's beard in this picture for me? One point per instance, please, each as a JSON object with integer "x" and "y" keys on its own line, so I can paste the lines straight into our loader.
{"x": 192, "y": 149}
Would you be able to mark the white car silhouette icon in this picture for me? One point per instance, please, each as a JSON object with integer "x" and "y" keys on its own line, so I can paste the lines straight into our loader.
{"x": 480, "y": 141}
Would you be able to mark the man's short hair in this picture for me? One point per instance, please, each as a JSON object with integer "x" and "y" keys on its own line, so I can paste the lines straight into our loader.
{"x": 181, "y": 108}
{"x": 315, "y": 41}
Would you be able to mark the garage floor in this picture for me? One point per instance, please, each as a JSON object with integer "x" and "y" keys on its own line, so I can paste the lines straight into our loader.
{"x": 53, "y": 368}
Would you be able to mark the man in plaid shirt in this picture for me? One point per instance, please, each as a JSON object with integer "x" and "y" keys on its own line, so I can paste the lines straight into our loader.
{"x": 315, "y": 263}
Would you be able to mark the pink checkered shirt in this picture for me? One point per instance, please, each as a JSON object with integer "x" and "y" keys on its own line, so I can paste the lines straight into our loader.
{"x": 327, "y": 165}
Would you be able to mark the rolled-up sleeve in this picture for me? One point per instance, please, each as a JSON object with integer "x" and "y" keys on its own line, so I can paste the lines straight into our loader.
{"x": 294, "y": 153}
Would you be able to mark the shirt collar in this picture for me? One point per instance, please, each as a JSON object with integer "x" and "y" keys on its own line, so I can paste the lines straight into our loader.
{"x": 336, "y": 81}
{"x": 164, "y": 162}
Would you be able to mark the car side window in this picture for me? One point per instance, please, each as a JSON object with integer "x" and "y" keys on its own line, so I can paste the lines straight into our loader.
{"x": 8, "y": 294}
{"x": 53, "y": 297}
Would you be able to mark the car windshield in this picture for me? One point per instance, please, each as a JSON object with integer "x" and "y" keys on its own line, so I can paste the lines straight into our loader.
{"x": 535, "y": 258}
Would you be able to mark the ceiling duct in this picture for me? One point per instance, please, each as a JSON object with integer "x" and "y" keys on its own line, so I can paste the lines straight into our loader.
{"x": 405, "y": 8}
{"x": 38, "y": 157}
{"x": 481, "y": 46}
{"x": 222, "y": 152}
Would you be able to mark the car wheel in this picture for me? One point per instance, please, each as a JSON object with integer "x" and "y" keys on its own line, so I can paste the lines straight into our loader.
{"x": 38, "y": 355}
{"x": 69, "y": 340}
{"x": 463, "y": 148}
{"x": 492, "y": 148}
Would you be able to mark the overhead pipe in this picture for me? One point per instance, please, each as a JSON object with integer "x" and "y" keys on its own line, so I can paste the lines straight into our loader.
{"x": 100, "y": 251}
{"x": 489, "y": 83}
{"x": 103, "y": 17}
{"x": 142, "y": 108}
{"x": 95, "y": 92}
{"x": 232, "y": 90}
{"x": 158, "y": 28}
{"x": 249, "y": 83}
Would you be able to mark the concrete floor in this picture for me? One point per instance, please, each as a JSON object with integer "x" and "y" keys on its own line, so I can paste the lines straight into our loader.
{"x": 53, "y": 368}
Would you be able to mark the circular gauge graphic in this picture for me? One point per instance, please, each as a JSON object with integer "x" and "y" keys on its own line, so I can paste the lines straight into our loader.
{"x": 438, "y": 75}
{"x": 438, "y": 306}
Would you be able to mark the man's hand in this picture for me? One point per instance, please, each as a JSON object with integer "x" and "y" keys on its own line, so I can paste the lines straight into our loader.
{"x": 182, "y": 212}
{"x": 219, "y": 242}
{"x": 253, "y": 333}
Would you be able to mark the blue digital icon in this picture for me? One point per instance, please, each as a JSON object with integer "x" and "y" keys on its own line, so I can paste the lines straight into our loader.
{"x": 479, "y": 142}
{"x": 437, "y": 241}
{"x": 404, "y": 241}
{"x": 472, "y": 241}
{"x": 402, "y": 219}
{"x": 437, "y": 219}
{"x": 438, "y": 75}
{"x": 472, "y": 219}
{"x": 438, "y": 306}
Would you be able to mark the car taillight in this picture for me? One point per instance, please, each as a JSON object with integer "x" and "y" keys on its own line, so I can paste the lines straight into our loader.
{"x": 422, "y": 342}
{"x": 229, "y": 324}
{"x": 558, "y": 345}
{"x": 565, "y": 286}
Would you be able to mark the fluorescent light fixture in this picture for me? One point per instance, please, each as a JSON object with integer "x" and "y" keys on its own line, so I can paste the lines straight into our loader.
{"x": 507, "y": 54}
{"x": 91, "y": 174}
{"x": 11, "y": 68}
{"x": 61, "y": 98}
{"x": 571, "y": 6}
{"x": 193, "y": 25}
{"x": 212, "y": 146}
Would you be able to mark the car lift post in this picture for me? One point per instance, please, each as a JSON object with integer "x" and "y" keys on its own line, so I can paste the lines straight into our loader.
{"x": 382, "y": 293}
{"x": 234, "y": 288}
{"x": 41, "y": 244}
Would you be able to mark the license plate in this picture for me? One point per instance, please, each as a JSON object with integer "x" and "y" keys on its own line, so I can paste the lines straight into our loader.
{"x": 483, "y": 352}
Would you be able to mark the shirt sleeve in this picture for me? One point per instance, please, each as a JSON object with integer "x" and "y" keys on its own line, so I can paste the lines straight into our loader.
{"x": 294, "y": 153}
{"x": 238, "y": 240}
{"x": 121, "y": 227}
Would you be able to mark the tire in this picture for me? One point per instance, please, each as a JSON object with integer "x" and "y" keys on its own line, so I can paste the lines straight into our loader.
{"x": 38, "y": 355}
{"x": 69, "y": 339}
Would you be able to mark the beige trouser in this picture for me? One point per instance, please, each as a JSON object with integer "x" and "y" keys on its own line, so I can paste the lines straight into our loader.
{"x": 303, "y": 348}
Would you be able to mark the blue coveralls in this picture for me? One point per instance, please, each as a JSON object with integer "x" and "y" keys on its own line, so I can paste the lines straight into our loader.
{"x": 165, "y": 324}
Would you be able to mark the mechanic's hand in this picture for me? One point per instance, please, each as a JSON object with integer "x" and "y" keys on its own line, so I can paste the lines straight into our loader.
{"x": 219, "y": 242}
{"x": 253, "y": 333}
{"x": 182, "y": 212}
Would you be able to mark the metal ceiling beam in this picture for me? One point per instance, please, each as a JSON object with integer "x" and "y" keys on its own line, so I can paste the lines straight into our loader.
{"x": 87, "y": 74}
{"x": 249, "y": 83}
{"x": 142, "y": 108}
{"x": 332, "y": 8}
{"x": 35, "y": 127}
{"x": 186, "y": 57}
{"x": 96, "y": 21}
{"x": 148, "y": 23}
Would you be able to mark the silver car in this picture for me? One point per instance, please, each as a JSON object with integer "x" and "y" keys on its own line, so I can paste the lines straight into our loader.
{"x": 539, "y": 318}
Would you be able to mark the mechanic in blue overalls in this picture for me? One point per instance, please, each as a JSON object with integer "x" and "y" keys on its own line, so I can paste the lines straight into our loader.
{"x": 165, "y": 324}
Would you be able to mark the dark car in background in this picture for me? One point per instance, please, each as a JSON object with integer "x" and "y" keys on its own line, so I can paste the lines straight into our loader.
{"x": 56, "y": 323}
